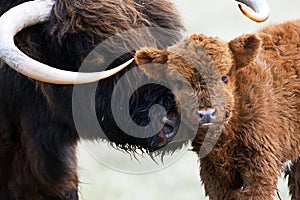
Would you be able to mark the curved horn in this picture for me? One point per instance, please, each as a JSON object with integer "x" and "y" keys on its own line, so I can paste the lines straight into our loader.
{"x": 28, "y": 14}
{"x": 260, "y": 7}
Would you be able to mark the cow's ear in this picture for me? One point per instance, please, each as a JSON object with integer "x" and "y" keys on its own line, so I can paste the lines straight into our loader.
{"x": 157, "y": 58}
{"x": 245, "y": 48}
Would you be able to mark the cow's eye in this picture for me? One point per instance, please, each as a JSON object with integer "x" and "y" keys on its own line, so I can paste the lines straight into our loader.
{"x": 179, "y": 85}
{"x": 224, "y": 79}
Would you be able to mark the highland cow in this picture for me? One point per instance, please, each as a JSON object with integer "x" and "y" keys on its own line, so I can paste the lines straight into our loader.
{"x": 38, "y": 134}
{"x": 244, "y": 137}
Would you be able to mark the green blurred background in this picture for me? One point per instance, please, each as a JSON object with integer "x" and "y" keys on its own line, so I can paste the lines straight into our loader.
{"x": 180, "y": 180}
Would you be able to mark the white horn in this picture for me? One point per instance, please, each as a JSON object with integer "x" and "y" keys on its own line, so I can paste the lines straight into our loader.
{"x": 28, "y": 14}
{"x": 260, "y": 7}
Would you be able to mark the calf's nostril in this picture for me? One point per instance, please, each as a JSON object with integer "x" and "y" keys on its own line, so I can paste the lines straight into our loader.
{"x": 200, "y": 115}
{"x": 213, "y": 112}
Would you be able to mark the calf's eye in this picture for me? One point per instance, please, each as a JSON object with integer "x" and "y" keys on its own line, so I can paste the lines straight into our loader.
{"x": 224, "y": 79}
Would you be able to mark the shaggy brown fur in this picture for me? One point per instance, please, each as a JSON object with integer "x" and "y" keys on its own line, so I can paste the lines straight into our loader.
{"x": 261, "y": 130}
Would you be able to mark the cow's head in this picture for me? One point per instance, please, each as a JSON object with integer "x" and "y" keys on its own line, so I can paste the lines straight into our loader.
{"x": 66, "y": 38}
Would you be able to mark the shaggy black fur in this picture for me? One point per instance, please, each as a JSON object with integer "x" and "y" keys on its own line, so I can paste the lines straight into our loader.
{"x": 38, "y": 136}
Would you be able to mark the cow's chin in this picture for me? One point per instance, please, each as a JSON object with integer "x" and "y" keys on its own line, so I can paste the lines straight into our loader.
{"x": 167, "y": 133}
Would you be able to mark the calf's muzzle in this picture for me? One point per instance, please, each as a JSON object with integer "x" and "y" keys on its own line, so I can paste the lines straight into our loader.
{"x": 207, "y": 116}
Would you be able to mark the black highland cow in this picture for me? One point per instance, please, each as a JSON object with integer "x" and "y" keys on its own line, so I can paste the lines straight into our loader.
{"x": 37, "y": 134}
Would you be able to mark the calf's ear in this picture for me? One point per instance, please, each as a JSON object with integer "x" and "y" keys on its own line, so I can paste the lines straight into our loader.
{"x": 151, "y": 55}
{"x": 157, "y": 58}
{"x": 245, "y": 48}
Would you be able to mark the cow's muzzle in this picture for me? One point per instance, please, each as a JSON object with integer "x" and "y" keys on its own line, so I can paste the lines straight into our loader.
{"x": 167, "y": 133}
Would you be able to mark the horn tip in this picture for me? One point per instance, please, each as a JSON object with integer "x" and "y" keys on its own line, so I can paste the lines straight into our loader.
{"x": 250, "y": 16}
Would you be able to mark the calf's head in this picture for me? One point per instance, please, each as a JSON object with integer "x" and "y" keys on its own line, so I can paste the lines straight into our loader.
{"x": 210, "y": 67}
